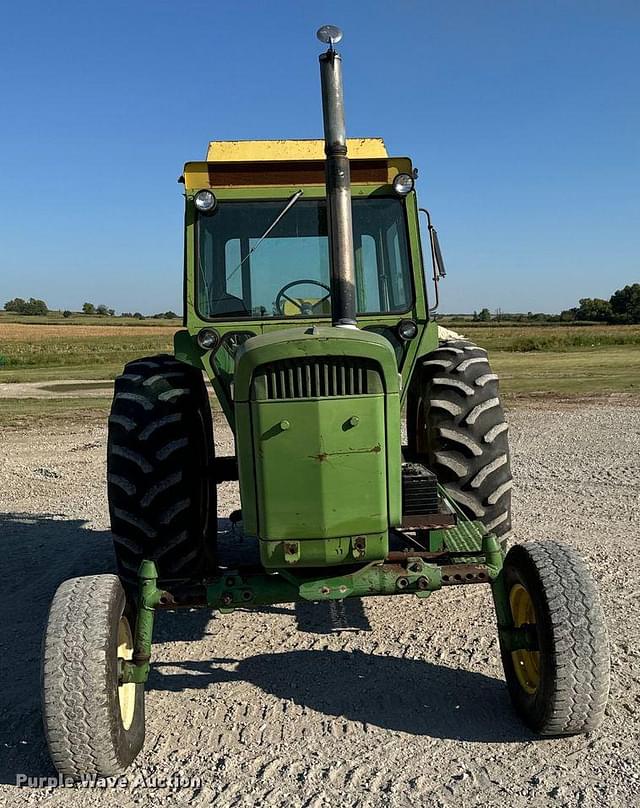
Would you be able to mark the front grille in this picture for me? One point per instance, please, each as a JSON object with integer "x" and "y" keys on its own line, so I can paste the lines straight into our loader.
{"x": 316, "y": 377}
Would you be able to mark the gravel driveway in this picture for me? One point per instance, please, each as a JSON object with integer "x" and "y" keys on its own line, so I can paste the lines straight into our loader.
{"x": 395, "y": 702}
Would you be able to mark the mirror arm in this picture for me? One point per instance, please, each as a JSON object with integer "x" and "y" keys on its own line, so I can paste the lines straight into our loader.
{"x": 434, "y": 262}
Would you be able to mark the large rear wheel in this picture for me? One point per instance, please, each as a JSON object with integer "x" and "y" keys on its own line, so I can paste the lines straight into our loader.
{"x": 456, "y": 427}
{"x": 162, "y": 498}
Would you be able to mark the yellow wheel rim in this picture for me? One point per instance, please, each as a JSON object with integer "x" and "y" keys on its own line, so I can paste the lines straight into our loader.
{"x": 525, "y": 663}
{"x": 126, "y": 693}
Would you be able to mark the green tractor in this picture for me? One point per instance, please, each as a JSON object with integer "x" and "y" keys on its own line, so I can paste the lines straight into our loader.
{"x": 305, "y": 305}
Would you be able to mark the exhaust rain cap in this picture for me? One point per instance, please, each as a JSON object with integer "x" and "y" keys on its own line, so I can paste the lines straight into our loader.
{"x": 329, "y": 34}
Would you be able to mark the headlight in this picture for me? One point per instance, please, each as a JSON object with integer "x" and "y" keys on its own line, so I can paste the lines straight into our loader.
{"x": 205, "y": 201}
{"x": 407, "y": 330}
{"x": 208, "y": 339}
{"x": 403, "y": 184}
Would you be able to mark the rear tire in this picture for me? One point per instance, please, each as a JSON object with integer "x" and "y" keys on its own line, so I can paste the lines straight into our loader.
{"x": 162, "y": 497}
{"x": 456, "y": 427}
{"x": 562, "y": 688}
{"x": 92, "y": 724}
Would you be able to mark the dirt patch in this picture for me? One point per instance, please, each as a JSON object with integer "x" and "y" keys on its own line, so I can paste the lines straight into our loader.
{"x": 76, "y": 387}
{"x": 73, "y": 388}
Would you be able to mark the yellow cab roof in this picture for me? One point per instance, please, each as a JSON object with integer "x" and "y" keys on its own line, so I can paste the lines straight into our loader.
{"x": 232, "y": 163}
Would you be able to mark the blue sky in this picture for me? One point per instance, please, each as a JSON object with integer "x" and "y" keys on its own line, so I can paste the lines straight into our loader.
{"x": 523, "y": 118}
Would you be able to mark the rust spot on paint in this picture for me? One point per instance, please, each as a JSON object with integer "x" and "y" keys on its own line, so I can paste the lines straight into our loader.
{"x": 322, "y": 456}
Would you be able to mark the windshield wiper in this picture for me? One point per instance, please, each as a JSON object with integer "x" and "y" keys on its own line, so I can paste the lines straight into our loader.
{"x": 291, "y": 202}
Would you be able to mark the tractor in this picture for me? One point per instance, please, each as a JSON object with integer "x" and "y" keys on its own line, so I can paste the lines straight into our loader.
{"x": 306, "y": 308}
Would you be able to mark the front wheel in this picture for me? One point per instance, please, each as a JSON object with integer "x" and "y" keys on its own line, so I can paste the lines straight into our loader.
{"x": 94, "y": 725}
{"x": 561, "y": 688}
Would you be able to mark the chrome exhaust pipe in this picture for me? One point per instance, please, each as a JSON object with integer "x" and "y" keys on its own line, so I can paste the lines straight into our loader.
{"x": 338, "y": 184}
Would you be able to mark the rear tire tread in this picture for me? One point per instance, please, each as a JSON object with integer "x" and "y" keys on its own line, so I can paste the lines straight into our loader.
{"x": 160, "y": 455}
{"x": 465, "y": 438}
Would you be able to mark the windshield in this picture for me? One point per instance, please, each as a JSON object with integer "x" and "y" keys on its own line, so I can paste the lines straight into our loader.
{"x": 287, "y": 274}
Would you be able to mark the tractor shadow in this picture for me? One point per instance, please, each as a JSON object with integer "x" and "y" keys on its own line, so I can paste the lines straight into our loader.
{"x": 40, "y": 551}
{"x": 393, "y": 693}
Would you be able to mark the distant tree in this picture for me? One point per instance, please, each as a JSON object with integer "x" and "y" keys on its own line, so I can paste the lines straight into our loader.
{"x": 126, "y": 314}
{"x": 625, "y": 304}
{"x": 568, "y": 315}
{"x": 66, "y": 314}
{"x": 31, "y": 306}
{"x": 138, "y": 316}
{"x": 111, "y": 312}
{"x": 16, "y": 305}
{"x": 475, "y": 316}
{"x": 36, "y": 306}
{"x": 102, "y": 309}
{"x": 484, "y": 316}
{"x": 88, "y": 308}
{"x": 593, "y": 308}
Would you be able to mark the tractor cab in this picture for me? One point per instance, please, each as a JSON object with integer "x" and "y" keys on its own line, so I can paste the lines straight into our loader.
{"x": 257, "y": 247}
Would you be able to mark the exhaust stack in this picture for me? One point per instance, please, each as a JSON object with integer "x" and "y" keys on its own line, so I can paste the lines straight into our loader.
{"x": 338, "y": 183}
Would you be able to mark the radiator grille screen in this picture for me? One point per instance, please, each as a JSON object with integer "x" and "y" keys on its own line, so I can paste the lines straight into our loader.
{"x": 316, "y": 377}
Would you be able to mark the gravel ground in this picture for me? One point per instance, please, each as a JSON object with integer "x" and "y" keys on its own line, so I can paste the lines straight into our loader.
{"x": 404, "y": 704}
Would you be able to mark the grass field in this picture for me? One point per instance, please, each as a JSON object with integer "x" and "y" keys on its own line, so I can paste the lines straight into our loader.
{"x": 552, "y": 337}
{"x": 587, "y": 372}
{"x": 532, "y": 361}
{"x": 44, "y": 352}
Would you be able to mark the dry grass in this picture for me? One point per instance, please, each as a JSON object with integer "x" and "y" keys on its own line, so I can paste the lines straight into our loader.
{"x": 19, "y": 332}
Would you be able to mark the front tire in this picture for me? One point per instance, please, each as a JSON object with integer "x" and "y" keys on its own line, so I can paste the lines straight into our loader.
{"x": 93, "y": 725}
{"x": 456, "y": 427}
{"x": 562, "y": 688}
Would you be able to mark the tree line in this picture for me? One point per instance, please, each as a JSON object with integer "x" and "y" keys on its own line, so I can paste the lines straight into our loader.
{"x": 34, "y": 306}
{"x": 622, "y": 308}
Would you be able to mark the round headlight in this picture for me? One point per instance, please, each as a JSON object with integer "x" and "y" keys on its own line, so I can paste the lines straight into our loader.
{"x": 208, "y": 339}
{"x": 205, "y": 201}
{"x": 403, "y": 184}
{"x": 407, "y": 329}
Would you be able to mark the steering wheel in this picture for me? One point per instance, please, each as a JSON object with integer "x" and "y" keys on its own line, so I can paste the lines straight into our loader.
{"x": 304, "y": 308}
